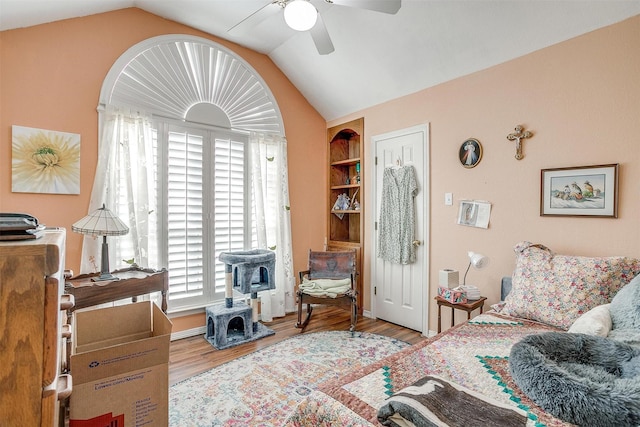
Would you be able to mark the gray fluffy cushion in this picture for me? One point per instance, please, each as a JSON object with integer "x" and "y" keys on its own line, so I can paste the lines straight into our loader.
{"x": 582, "y": 379}
{"x": 625, "y": 309}
{"x": 625, "y": 313}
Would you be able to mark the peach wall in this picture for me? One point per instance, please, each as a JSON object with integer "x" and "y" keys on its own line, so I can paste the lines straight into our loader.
{"x": 581, "y": 98}
{"x": 51, "y": 77}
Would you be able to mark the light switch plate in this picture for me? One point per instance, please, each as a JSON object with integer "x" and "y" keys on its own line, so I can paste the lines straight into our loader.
{"x": 448, "y": 199}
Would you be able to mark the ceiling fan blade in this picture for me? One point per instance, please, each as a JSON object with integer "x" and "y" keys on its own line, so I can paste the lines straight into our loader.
{"x": 384, "y": 6}
{"x": 255, "y": 18}
{"x": 321, "y": 38}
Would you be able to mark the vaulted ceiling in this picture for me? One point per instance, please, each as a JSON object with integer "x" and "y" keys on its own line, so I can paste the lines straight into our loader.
{"x": 377, "y": 56}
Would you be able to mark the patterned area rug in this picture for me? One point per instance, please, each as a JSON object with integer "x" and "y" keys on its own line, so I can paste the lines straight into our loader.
{"x": 263, "y": 388}
{"x": 473, "y": 355}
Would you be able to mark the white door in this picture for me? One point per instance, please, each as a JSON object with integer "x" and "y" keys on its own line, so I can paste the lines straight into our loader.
{"x": 399, "y": 292}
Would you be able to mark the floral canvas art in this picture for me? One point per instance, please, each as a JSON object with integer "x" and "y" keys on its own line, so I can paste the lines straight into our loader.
{"x": 45, "y": 161}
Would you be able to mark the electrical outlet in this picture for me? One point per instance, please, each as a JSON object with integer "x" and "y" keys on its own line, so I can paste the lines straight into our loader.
{"x": 448, "y": 199}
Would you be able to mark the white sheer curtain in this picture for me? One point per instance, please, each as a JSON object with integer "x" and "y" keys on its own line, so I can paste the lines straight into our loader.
{"x": 270, "y": 191}
{"x": 124, "y": 182}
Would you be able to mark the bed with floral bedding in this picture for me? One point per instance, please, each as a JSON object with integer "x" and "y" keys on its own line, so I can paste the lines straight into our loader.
{"x": 463, "y": 377}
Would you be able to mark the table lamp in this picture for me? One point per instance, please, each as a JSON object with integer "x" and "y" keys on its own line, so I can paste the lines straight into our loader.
{"x": 478, "y": 261}
{"x": 102, "y": 222}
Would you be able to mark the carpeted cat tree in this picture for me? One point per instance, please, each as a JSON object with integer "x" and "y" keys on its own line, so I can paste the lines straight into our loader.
{"x": 247, "y": 272}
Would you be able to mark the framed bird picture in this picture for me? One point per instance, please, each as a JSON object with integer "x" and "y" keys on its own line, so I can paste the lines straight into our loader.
{"x": 470, "y": 153}
{"x": 580, "y": 191}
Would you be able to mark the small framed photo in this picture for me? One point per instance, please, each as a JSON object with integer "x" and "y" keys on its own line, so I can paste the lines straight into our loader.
{"x": 470, "y": 153}
{"x": 580, "y": 191}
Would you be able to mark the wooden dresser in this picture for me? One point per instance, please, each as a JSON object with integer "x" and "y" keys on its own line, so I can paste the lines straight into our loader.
{"x": 31, "y": 356}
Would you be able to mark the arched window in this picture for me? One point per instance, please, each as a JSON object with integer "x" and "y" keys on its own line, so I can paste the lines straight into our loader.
{"x": 192, "y": 156}
{"x": 193, "y": 79}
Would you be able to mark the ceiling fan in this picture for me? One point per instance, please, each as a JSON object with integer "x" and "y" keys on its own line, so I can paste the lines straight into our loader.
{"x": 302, "y": 15}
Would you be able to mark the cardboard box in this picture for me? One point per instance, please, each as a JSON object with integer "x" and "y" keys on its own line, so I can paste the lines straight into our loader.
{"x": 120, "y": 367}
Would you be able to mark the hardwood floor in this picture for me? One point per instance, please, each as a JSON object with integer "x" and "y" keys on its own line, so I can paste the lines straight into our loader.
{"x": 191, "y": 356}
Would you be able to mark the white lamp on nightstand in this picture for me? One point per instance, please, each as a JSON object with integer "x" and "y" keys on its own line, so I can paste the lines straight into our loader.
{"x": 478, "y": 261}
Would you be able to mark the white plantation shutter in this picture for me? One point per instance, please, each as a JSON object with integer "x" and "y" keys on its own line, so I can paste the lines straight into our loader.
{"x": 205, "y": 179}
{"x": 185, "y": 224}
{"x": 167, "y": 75}
{"x": 230, "y": 205}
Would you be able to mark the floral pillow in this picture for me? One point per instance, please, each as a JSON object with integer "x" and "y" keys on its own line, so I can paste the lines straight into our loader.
{"x": 557, "y": 289}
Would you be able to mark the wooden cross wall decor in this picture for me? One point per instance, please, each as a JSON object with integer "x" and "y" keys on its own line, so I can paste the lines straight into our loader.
{"x": 517, "y": 136}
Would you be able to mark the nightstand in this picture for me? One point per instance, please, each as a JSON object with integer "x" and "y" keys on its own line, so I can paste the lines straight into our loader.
{"x": 132, "y": 283}
{"x": 468, "y": 307}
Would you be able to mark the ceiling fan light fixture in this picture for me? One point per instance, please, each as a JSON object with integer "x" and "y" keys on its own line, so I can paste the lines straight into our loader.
{"x": 300, "y": 15}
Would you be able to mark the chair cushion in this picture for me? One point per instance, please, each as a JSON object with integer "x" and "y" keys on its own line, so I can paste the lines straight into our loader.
{"x": 330, "y": 288}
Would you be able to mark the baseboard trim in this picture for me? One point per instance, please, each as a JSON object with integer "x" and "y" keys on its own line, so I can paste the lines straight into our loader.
{"x": 187, "y": 333}
{"x": 201, "y": 330}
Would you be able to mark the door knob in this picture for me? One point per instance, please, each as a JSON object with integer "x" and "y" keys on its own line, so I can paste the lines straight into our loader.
{"x": 416, "y": 243}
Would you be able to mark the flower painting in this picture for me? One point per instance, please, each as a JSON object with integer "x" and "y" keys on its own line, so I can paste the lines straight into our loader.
{"x": 45, "y": 161}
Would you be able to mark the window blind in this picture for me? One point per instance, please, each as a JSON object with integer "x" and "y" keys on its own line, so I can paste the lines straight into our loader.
{"x": 207, "y": 208}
